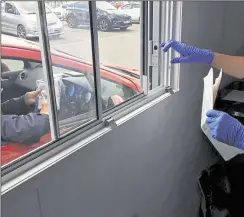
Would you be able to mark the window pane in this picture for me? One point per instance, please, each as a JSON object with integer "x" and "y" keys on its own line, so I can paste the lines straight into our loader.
{"x": 71, "y": 54}
{"x": 12, "y": 65}
{"x": 24, "y": 126}
{"x": 136, "y": 6}
{"x": 119, "y": 52}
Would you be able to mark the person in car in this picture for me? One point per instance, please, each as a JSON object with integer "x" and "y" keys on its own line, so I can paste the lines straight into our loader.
{"x": 223, "y": 127}
{"x": 20, "y": 126}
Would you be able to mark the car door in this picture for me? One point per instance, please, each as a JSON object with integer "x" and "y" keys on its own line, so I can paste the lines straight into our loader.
{"x": 11, "y": 17}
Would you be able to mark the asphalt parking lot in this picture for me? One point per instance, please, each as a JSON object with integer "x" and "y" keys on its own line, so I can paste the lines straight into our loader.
{"x": 117, "y": 47}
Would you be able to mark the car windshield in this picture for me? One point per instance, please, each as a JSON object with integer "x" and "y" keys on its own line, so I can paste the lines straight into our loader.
{"x": 29, "y": 7}
{"x": 105, "y": 6}
{"x": 136, "y": 6}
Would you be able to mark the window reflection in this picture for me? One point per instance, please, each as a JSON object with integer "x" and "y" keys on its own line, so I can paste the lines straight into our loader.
{"x": 119, "y": 51}
{"x": 24, "y": 127}
{"x": 72, "y": 67}
{"x": 68, "y": 27}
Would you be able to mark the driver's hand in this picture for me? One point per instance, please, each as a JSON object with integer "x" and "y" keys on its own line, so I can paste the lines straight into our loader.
{"x": 30, "y": 97}
{"x": 44, "y": 109}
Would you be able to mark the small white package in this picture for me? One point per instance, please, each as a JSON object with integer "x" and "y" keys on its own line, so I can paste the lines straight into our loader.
{"x": 40, "y": 84}
{"x": 209, "y": 96}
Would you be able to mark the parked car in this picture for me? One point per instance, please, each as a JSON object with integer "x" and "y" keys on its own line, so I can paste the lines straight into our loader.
{"x": 60, "y": 11}
{"x": 133, "y": 10}
{"x": 108, "y": 17}
{"x": 24, "y": 60}
{"x": 19, "y": 18}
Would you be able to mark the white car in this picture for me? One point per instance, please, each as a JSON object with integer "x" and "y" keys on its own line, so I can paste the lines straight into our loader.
{"x": 19, "y": 18}
{"x": 132, "y": 9}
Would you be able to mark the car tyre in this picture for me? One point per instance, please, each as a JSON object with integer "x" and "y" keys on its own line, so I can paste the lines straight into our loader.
{"x": 21, "y": 32}
{"x": 71, "y": 20}
{"x": 104, "y": 25}
{"x": 123, "y": 28}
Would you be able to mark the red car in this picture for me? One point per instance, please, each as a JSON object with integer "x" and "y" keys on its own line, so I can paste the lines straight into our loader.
{"x": 23, "y": 58}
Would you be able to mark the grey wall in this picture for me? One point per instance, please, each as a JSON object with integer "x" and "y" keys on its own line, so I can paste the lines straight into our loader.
{"x": 148, "y": 166}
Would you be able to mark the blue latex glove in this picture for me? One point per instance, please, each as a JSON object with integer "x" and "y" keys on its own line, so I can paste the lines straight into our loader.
{"x": 225, "y": 128}
{"x": 189, "y": 54}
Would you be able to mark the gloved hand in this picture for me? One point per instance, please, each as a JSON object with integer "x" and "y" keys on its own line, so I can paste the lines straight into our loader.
{"x": 225, "y": 128}
{"x": 189, "y": 54}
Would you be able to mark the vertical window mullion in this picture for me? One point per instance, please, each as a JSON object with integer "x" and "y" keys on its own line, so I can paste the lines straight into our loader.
{"x": 95, "y": 58}
{"x": 176, "y": 32}
{"x": 171, "y": 4}
{"x": 1, "y": 68}
{"x": 144, "y": 46}
{"x": 150, "y": 48}
{"x": 155, "y": 42}
{"x": 163, "y": 39}
{"x": 166, "y": 34}
{"x": 47, "y": 69}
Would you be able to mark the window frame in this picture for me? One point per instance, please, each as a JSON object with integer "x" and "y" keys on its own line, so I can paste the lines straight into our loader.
{"x": 25, "y": 167}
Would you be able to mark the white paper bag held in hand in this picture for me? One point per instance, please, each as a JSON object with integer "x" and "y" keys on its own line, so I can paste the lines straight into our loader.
{"x": 209, "y": 96}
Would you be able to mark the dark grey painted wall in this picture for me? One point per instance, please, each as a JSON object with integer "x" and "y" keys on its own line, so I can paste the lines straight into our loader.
{"x": 148, "y": 166}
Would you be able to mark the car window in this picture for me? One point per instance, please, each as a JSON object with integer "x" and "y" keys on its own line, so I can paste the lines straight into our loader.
{"x": 136, "y": 6}
{"x": 111, "y": 88}
{"x": 126, "y": 7}
{"x": 81, "y": 6}
{"x": 12, "y": 64}
{"x": 70, "y": 5}
{"x": 9, "y": 8}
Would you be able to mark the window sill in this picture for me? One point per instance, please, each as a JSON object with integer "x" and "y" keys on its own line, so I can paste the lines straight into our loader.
{"x": 17, "y": 176}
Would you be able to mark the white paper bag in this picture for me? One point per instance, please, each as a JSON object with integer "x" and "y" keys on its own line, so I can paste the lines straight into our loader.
{"x": 209, "y": 96}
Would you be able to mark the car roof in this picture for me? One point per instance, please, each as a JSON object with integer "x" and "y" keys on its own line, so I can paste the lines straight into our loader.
{"x": 11, "y": 41}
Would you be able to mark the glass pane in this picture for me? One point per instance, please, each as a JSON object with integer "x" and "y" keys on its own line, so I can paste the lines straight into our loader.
{"x": 24, "y": 127}
{"x": 119, "y": 52}
{"x": 71, "y": 54}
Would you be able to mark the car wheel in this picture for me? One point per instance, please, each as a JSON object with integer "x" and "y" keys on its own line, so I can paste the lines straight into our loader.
{"x": 123, "y": 28}
{"x": 21, "y": 32}
{"x": 104, "y": 25}
{"x": 71, "y": 20}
